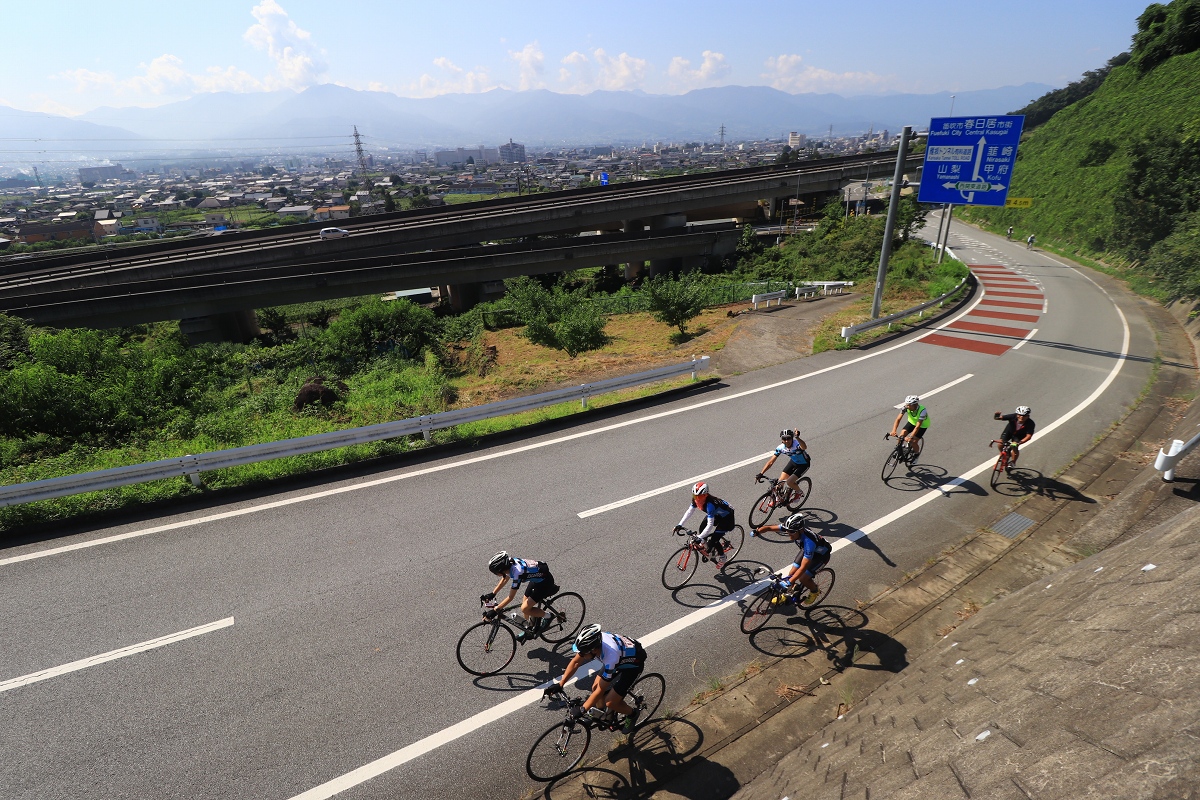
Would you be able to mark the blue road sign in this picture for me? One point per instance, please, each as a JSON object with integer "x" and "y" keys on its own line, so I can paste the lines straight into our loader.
{"x": 604, "y": 179}
{"x": 969, "y": 160}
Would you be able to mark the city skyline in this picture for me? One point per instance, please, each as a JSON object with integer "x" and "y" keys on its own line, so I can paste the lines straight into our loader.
{"x": 144, "y": 58}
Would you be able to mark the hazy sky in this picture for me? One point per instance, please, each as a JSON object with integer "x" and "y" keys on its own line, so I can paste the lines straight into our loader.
{"x": 70, "y": 56}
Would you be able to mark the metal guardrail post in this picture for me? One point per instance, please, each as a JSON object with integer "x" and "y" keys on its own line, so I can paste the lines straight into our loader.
{"x": 191, "y": 468}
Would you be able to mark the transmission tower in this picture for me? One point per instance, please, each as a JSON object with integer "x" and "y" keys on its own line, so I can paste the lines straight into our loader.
{"x": 362, "y": 158}
{"x": 722, "y": 133}
{"x": 37, "y": 177}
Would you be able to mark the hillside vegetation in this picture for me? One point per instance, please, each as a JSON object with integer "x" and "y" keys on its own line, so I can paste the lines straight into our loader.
{"x": 1117, "y": 173}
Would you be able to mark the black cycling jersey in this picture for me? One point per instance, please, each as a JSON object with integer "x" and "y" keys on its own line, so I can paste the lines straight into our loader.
{"x": 1015, "y": 431}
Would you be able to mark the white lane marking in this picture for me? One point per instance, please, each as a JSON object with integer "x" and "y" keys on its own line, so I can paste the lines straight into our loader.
{"x": 113, "y": 655}
{"x": 1028, "y": 336}
{"x": 458, "y": 463}
{"x": 941, "y": 388}
{"x": 1046, "y": 304}
{"x": 591, "y": 512}
{"x": 458, "y": 730}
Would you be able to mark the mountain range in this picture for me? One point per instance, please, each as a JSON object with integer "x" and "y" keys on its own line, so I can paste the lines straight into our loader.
{"x": 327, "y": 112}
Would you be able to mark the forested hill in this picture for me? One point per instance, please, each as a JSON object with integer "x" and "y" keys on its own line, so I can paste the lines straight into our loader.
{"x": 1118, "y": 172}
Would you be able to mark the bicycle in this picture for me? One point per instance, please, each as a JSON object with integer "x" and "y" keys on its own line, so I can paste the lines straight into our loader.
{"x": 902, "y": 453}
{"x": 1004, "y": 461}
{"x": 774, "y": 597}
{"x": 1029, "y": 243}
{"x": 681, "y": 566}
{"x": 780, "y": 495}
{"x": 560, "y": 749}
{"x": 487, "y": 647}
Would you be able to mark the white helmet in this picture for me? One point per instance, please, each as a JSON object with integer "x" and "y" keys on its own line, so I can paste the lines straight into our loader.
{"x": 1023, "y": 411}
{"x": 588, "y": 639}
{"x": 499, "y": 562}
{"x": 912, "y": 398}
{"x": 699, "y": 488}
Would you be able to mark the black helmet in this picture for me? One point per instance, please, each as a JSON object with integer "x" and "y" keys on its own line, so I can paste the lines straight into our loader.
{"x": 499, "y": 562}
{"x": 588, "y": 639}
{"x": 796, "y": 523}
{"x": 787, "y": 434}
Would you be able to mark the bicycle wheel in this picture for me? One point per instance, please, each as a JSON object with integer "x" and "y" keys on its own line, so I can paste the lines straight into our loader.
{"x": 732, "y": 541}
{"x": 804, "y": 486}
{"x": 558, "y": 751}
{"x": 486, "y": 648}
{"x": 763, "y": 507}
{"x": 824, "y": 580}
{"x": 680, "y": 568}
{"x": 998, "y": 469}
{"x": 889, "y": 466}
{"x": 759, "y": 611}
{"x": 646, "y": 695}
{"x": 566, "y": 612}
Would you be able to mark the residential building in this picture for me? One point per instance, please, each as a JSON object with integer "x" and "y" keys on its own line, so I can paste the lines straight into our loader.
{"x": 796, "y": 140}
{"x": 299, "y": 212}
{"x": 144, "y": 225}
{"x": 215, "y": 219}
{"x": 91, "y": 174}
{"x": 106, "y": 227}
{"x": 55, "y": 231}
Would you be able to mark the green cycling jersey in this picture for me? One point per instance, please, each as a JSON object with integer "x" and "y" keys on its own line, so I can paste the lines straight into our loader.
{"x": 918, "y": 418}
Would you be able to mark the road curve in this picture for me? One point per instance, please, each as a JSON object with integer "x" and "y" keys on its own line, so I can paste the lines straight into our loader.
{"x": 329, "y": 614}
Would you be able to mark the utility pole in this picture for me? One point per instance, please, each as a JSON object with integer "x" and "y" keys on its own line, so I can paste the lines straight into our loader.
{"x": 893, "y": 208}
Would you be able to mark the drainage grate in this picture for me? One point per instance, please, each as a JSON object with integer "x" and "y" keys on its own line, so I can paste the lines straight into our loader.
{"x": 1012, "y": 525}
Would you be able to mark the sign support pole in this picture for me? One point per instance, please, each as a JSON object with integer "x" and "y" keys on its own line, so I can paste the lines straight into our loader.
{"x": 946, "y": 238}
{"x": 893, "y": 209}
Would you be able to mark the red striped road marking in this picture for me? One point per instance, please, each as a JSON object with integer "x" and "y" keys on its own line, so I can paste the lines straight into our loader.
{"x": 1026, "y": 295}
{"x": 979, "y": 312}
{"x": 997, "y": 330}
{"x": 1005, "y": 282}
{"x": 991, "y": 348}
{"x": 1010, "y": 304}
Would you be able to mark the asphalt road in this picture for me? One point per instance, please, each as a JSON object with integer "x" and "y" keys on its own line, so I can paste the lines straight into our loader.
{"x": 347, "y": 598}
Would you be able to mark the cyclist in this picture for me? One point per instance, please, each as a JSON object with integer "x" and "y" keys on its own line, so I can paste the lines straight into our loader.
{"x": 720, "y": 520}
{"x": 1029, "y": 242}
{"x": 541, "y": 586}
{"x": 798, "y": 463}
{"x": 813, "y": 554}
{"x": 1018, "y": 430}
{"x": 622, "y": 660}
{"x": 1010, "y": 233}
{"x": 916, "y": 422}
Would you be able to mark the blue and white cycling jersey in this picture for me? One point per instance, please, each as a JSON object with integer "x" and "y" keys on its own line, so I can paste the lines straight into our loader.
{"x": 795, "y": 453}
{"x": 813, "y": 549}
{"x": 523, "y": 571}
{"x": 617, "y": 652}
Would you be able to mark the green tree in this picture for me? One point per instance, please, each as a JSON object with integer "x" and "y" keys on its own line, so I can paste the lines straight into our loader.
{"x": 1176, "y": 259}
{"x": 674, "y": 302}
{"x": 389, "y": 202}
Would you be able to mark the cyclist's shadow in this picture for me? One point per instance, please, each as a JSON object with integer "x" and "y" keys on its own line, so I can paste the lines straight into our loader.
{"x": 843, "y": 634}
{"x": 655, "y": 754}
{"x": 554, "y": 659}
{"x": 736, "y": 576}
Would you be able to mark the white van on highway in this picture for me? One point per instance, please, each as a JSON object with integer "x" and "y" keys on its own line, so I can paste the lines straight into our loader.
{"x": 334, "y": 233}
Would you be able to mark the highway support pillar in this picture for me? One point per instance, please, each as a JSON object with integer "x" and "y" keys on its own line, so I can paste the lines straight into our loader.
{"x": 228, "y": 326}
{"x": 660, "y": 266}
{"x": 633, "y": 269}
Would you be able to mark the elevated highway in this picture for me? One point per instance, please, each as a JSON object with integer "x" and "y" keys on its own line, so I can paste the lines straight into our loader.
{"x": 646, "y": 220}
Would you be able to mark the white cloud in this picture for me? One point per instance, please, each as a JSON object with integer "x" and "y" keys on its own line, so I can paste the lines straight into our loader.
{"x": 298, "y": 62}
{"x": 532, "y": 63}
{"x": 712, "y": 69}
{"x": 452, "y": 79}
{"x": 581, "y": 74}
{"x": 164, "y": 75}
{"x": 787, "y": 73}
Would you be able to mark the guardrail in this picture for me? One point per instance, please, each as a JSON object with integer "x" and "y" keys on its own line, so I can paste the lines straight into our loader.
{"x": 1166, "y": 460}
{"x": 850, "y": 330}
{"x": 833, "y": 287}
{"x": 767, "y": 298}
{"x": 191, "y": 466}
{"x": 806, "y": 291}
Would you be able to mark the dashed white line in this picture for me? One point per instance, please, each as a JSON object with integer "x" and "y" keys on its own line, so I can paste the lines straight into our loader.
{"x": 113, "y": 655}
{"x": 1028, "y": 336}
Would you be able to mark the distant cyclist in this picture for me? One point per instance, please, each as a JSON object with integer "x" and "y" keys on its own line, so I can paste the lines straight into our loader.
{"x": 1029, "y": 242}
{"x": 813, "y": 554}
{"x": 798, "y": 461}
{"x": 1010, "y": 233}
{"x": 916, "y": 422}
{"x": 622, "y": 660}
{"x": 1018, "y": 430}
{"x": 720, "y": 520}
{"x": 515, "y": 571}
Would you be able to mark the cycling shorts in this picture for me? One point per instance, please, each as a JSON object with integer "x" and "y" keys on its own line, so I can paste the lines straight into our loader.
{"x": 543, "y": 589}
{"x": 815, "y": 564}
{"x": 793, "y": 468}
{"x": 908, "y": 428}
